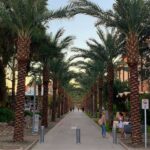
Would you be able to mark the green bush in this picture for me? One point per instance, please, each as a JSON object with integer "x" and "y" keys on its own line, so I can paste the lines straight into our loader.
{"x": 108, "y": 129}
{"x": 6, "y": 115}
{"x": 28, "y": 113}
{"x": 39, "y": 113}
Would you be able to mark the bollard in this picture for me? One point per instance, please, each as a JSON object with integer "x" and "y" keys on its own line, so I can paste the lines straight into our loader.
{"x": 42, "y": 134}
{"x": 77, "y": 136}
{"x": 114, "y": 134}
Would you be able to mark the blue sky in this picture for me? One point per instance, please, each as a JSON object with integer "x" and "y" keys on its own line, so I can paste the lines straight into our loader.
{"x": 80, "y": 26}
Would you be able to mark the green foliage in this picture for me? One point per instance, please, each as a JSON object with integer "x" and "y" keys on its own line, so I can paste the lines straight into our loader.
{"x": 28, "y": 113}
{"x": 6, "y": 115}
{"x": 39, "y": 113}
{"x": 120, "y": 103}
{"x": 108, "y": 129}
{"x": 121, "y": 86}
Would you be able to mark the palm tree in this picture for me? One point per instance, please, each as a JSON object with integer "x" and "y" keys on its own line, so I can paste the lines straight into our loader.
{"x": 52, "y": 48}
{"x": 65, "y": 77}
{"x": 57, "y": 69}
{"x": 107, "y": 51}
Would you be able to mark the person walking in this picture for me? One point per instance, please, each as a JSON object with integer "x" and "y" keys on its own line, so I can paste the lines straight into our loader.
{"x": 120, "y": 124}
{"x": 102, "y": 123}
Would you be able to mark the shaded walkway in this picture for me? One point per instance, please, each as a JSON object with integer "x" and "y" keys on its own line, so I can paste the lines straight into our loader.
{"x": 62, "y": 136}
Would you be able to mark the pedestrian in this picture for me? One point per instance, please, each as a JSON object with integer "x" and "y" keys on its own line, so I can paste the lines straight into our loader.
{"x": 102, "y": 123}
{"x": 120, "y": 124}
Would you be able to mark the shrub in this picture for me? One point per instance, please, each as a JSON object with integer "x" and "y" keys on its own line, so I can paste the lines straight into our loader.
{"x": 28, "y": 113}
{"x": 6, "y": 115}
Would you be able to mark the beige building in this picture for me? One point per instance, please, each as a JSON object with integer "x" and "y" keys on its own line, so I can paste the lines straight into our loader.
{"x": 123, "y": 75}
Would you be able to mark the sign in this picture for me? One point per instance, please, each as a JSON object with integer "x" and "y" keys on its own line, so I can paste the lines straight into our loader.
{"x": 145, "y": 106}
{"x": 145, "y": 103}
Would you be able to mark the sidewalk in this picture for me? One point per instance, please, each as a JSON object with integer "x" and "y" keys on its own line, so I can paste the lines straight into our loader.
{"x": 63, "y": 135}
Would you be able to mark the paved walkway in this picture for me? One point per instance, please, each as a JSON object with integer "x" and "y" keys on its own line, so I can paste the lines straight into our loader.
{"x": 63, "y": 135}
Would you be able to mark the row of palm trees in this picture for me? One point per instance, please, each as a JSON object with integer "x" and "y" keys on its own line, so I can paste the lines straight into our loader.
{"x": 25, "y": 37}
{"x": 23, "y": 24}
{"x": 130, "y": 19}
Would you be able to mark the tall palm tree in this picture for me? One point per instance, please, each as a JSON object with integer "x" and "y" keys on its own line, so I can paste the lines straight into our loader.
{"x": 107, "y": 51}
{"x": 48, "y": 52}
{"x": 24, "y": 16}
{"x": 58, "y": 69}
{"x": 65, "y": 76}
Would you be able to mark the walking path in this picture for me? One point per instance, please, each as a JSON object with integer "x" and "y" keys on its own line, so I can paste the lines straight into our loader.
{"x": 63, "y": 135}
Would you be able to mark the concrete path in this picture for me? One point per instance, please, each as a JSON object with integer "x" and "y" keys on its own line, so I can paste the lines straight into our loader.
{"x": 63, "y": 135}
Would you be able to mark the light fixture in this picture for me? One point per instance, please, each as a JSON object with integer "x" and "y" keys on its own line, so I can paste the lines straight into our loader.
{"x": 126, "y": 93}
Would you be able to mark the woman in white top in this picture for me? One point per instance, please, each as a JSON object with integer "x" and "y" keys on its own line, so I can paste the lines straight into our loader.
{"x": 120, "y": 124}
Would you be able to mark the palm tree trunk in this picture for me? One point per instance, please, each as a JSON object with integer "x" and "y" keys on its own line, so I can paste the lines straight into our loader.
{"x": 39, "y": 96}
{"x": 19, "y": 122}
{"x": 59, "y": 110}
{"x": 2, "y": 85}
{"x": 23, "y": 51}
{"x": 100, "y": 88}
{"x": 110, "y": 92}
{"x": 95, "y": 99}
{"x": 133, "y": 59}
{"x": 62, "y": 107}
{"x": 54, "y": 100}
{"x": 141, "y": 72}
{"x": 13, "y": 85}
{"x": 59, "y": 103}
{"x": 91, "y": 100}
{"x": 45, "y": 96}
{"x": 135, "y": 105}
{"x": 88, "y": 103}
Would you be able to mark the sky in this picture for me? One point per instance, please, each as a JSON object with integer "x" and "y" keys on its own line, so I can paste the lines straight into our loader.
{"x": 80, "y": 26}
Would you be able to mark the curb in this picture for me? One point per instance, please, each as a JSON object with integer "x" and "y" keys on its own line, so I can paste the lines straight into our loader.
{"x": 120, "y": 142}
{"x": 31, "y": 145}
{"x": 124, "y": 145}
